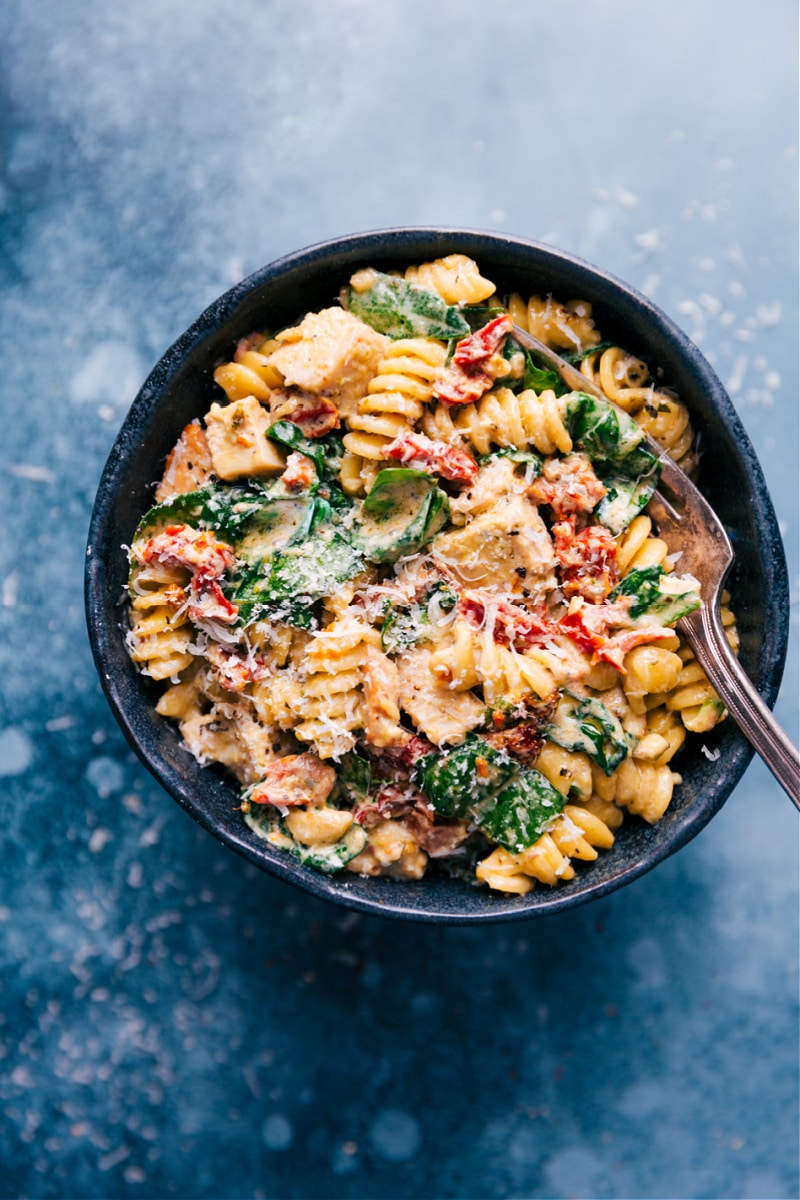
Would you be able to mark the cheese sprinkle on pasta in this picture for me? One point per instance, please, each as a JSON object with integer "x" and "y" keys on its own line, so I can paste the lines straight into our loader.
{"x": 402, "y": 585}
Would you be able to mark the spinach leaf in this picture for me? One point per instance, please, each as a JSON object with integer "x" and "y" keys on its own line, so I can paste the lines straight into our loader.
{"x": 405, "y": 626}
{"x": 326, "y": 452}
{"x": 523, "y": 811}
{"x": 406, "y": 310}
{"x": 224, "y": 508}
{"x": 540, "y": 378}
{"x": 608, "y": 435}
{"x": 585, "y": 723}
{"x": 511, "y": 803}
{"x": 533, "y": 463}
{"x": 478, "y": 315}
{"x": 657, "y": 596}
{"x": 287, "y": 585}
{"x": 624, "y": 499}
{"x": 576, "y": 357}
{"x": 465, "y": 779}
{"x": 354, "y": 778}
{"x": 403, "y": 511}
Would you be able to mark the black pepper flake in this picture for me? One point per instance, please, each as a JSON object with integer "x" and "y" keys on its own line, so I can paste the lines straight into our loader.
{"x": 521, "y": 571}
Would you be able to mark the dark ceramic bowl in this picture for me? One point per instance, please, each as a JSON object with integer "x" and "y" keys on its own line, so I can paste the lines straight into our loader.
{"x": 181, "y": 387}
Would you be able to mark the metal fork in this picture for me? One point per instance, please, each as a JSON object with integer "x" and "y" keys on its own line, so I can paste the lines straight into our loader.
{"x": 687, "y": 523}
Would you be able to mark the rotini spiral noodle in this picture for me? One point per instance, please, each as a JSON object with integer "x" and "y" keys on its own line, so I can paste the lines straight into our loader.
{"x": 636, "y": 548}
{"x": 693, "y": 696}
{"x": 467, "y": 658}
{"x": 624, "y": 379}
{"x": 576, "y": 833}
{"x": 503, "y": 418}
{"x": 160, "y": 636}
{"x": 329, "y": 706}
{"x": 563, "y": 326}
{"x": 456, "y": 278}
{"x": 250, "y": 373}
{"x": 393, "y": 404}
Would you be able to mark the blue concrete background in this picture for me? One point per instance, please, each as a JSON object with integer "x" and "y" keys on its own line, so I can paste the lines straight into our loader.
{"x": 172, "y": 1022}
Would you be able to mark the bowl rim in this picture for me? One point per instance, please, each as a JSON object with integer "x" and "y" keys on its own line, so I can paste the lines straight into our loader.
{"x": 386, "y": 896}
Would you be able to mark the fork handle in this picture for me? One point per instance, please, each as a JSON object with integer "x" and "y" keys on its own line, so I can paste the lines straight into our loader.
{"x": 704, "y": 633}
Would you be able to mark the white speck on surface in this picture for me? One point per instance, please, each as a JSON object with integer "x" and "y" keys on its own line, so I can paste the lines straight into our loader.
{"x": 574, "y": 1171}
{"x": 100, "y": 839}
{"x": 277, "y": 1132}
{"x": 111, "y": 374}
{"x": 395, "y": 1135}
{"x": 135, "y": 875}
{"x": 31, "y": 472}
{"x": 736, "y": 377}
{"x": 151, "y": 836}
{"x": 108, "y": 1161}
{"x": 768, "y": 315}
{"x": 626, "y": 199}
{"x": 10, "y": 591}
{"x": 105, "y": 775}
{"x": 649, "y": 242}
{"x": 760, "y": 396}
{"x": 58, "y": 724}
{"x": 737, "y": 289}
{"x": 712, "y": 755}
{"x": 646, "y": 958}
{"x": 16, "y": 751}
{"x": 21, "y": 1076}
{"x": 772, "y": 380}
{"x": 706, "y": 264}
{"x": 497, "y": 214}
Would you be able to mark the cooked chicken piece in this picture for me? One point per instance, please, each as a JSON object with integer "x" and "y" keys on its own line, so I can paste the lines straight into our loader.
{"x": 507, "y": 546}
{"x": 295, "y": 779}
{"x": 332, "y": 353}
{"x": 236, "y": 434}
{"x": 188, "y": 464}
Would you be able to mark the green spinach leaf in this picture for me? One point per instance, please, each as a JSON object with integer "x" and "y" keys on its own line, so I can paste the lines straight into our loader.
{"x": 406, "y": 310}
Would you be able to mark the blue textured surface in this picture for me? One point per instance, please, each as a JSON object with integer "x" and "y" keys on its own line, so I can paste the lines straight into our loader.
{"x": 174, "y": 1022}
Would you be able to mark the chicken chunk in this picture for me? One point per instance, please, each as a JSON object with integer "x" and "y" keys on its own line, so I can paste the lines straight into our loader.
{"x": 507, "y": 546}
{"x": 330, "y": 353}
{"x": 188, "y": 464}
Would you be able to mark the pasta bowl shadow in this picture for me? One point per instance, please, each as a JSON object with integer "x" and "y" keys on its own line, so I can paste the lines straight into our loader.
{"x": 181, "y": 387}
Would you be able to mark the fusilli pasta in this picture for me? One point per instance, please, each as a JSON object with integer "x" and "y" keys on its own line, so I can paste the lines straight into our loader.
{"x": 380, "y": 587}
